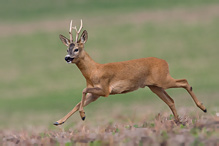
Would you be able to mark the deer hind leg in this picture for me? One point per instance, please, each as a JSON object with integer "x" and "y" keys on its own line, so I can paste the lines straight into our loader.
{"x": 183, "y": 83}
{"x": 160, "y": 92}
{"x": 89, "y": 98}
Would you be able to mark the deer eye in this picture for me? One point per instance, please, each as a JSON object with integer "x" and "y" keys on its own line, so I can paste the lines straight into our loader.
{"x": 76, "y": 50}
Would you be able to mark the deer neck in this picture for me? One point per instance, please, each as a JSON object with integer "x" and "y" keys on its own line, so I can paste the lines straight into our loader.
{"x": 86, "y": 65}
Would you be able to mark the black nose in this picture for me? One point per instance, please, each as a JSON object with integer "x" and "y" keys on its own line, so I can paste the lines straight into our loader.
{"x": 68, "y": 59}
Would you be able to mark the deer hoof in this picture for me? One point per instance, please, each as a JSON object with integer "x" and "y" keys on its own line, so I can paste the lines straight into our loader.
{"x": 56, "y": 123}
{"x": 83, "y": 118}
{"x": 205, "y": 110}
{"x": 82, "y": 114}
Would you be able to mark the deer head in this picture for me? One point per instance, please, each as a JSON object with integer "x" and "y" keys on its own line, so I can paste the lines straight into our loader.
{"x": 75, "y": 48}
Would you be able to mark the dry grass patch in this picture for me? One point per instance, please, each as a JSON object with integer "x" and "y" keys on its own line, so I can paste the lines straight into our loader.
{"x": 162, "y": 130}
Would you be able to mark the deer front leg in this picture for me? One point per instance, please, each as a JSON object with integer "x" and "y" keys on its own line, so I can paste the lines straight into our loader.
{"x": 95, "y": 91}
{"x": 89, "y": 98}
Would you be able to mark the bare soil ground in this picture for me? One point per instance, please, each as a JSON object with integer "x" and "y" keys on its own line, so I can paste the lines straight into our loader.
{"x": 194, "y": 130}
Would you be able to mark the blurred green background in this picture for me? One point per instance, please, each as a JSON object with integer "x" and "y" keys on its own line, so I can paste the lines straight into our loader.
{"x": 38, "y": 87}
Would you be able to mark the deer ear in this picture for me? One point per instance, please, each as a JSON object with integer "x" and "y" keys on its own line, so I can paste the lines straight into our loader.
{"x": 64, "y": 40}
{"x": 84, "y": 37}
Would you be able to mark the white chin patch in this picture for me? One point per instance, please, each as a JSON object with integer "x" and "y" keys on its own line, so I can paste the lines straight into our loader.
{"x": 69, "y": 62}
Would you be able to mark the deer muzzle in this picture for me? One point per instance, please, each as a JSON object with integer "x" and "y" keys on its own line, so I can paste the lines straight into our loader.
{"x": 68, "y": 59}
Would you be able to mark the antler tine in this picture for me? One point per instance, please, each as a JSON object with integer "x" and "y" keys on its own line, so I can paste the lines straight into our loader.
{"x": 78, "y": 32}
{"x": 71, "y": 37}
{"x": 80, "y": 26}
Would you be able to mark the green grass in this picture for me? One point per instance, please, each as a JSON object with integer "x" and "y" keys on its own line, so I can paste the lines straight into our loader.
{"x": 25, "y": 10}
{"x": 34, "y": 78}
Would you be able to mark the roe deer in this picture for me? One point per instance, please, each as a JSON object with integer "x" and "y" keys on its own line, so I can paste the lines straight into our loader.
{"x": 120, "y": 77}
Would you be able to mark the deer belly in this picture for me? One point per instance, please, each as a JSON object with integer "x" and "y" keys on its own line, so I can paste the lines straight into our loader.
{"x": 122, "y": 87}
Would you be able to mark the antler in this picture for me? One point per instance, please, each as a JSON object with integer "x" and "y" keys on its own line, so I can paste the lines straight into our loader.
{"x": 71, "y": 37}
{"x": 77, "y": 31}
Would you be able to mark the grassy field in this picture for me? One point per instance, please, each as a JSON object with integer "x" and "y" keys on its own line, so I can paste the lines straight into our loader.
{"x": 37, "y": 87}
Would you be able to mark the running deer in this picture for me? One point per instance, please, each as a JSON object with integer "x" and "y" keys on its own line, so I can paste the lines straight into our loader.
{"x": 120, "y": 77}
